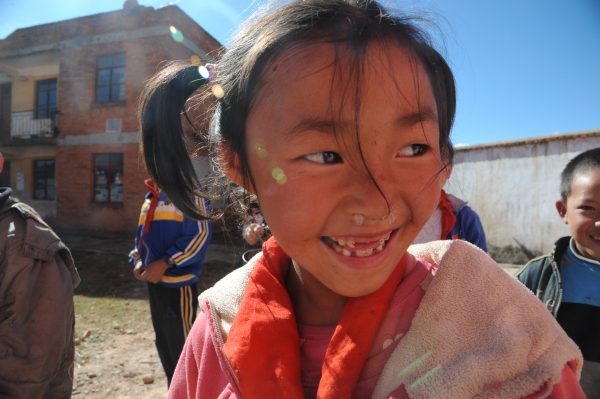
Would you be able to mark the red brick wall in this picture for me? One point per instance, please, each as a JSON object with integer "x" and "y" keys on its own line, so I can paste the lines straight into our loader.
{"x": 78, "y": 75}
{"x": 80, "y": 114}
{"x": 76, "y": 209}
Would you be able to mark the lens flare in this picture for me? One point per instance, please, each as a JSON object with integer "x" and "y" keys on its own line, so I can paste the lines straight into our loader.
{"x": 278, "y": 175}
{"x": 195, "y": 60}
{"x": 176, "y": 34}
{"x": 426, "y": 376}
{"x": 217, "y": 90}
{"x": 257, "y": 144}
{"x": 205, "y": 73}
{"x": 414, "y": 365}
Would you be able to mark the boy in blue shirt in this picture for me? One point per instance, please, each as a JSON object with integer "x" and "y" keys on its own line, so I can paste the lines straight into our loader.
{"x": 169, "y": 250}
{"x": 567, "y": 280}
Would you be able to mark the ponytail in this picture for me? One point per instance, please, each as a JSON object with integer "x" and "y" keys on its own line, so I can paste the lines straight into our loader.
{"x": 163, "y": 140}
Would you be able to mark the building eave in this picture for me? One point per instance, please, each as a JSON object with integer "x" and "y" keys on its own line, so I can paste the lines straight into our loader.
{"x": 531, "y": 140}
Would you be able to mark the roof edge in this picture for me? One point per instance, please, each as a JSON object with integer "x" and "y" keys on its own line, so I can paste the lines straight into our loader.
{"x": 531, "y": 140}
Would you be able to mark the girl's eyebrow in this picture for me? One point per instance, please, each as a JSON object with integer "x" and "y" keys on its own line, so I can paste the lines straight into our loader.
{"x": 328, "y": 126}
{"x": 315, "y": 124}
{"x": 423, "y": 115}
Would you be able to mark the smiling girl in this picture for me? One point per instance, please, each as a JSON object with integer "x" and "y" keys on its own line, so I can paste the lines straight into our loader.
{"x": 337, "y": 114}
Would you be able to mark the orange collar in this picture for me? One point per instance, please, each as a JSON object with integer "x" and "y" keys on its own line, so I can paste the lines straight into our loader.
{"x": 263, "y": 346}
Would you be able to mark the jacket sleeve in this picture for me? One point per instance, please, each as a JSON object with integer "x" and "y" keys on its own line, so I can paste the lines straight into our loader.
{"x": 36, "y": 324}
{"x": 194, "y": 241}
{"x": 468, "y": 227}
{"x": 198, "y": 374}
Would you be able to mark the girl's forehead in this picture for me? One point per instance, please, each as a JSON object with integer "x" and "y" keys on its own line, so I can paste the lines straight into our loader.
{"x": 340, "y": 75}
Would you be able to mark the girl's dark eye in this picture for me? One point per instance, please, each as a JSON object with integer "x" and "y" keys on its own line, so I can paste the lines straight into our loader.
{"x": 412, "y": 150}
{"x": 325, "y": 157}
{"x": 587, "y": 208}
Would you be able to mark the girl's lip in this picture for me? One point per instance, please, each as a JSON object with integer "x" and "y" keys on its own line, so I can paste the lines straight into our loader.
{"x": 367, "y": 262}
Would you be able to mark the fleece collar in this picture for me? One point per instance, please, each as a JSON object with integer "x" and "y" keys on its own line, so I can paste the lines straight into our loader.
{"x": 263, "y": 346}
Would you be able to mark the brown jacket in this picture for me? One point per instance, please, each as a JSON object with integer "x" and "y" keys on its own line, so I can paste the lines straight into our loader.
{"x": 37, "y": 277}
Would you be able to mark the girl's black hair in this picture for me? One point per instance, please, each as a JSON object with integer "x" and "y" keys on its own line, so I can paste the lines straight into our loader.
{"x": 277, "y": 28}
{"x": 163, "y": 142}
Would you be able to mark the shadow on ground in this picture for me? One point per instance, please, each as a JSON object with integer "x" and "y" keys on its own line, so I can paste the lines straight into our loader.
{"x": 104, "y": 268}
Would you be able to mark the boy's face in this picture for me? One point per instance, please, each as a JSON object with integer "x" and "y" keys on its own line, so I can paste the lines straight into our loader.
{"x": 582, "y": 213}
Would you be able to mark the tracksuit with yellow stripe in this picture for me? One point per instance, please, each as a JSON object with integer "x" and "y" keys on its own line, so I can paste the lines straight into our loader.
{"x": 182, "y": 243}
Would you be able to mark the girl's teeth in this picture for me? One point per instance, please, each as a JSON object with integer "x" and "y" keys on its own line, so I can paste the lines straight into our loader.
{"x": 341, "y": 242}
{"x": 345, "y": 252}
{"x": 364, "y": 252}
{"x": 379, "y": 248}
{"x": 337, "y": 248}
{"x": 350, "y": 244}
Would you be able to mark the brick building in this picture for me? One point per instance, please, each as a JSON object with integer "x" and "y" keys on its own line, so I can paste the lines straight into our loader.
{"x": 68, "y": 100}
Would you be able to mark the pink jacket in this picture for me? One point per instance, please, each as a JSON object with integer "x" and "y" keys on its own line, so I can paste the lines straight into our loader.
{"x": 478, "y": 333}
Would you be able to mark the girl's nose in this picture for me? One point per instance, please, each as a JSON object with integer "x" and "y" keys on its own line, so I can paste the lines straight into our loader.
{"x": 364, "y": 200}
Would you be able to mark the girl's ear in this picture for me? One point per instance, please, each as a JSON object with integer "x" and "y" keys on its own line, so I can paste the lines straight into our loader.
{"x": 231, "y": 167}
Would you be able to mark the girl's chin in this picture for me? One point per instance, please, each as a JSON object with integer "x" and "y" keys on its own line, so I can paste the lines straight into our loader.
{"x": 372, "y": 261}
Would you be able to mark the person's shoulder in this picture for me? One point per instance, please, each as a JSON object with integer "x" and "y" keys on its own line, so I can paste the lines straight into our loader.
{"x": 536, "y": 266}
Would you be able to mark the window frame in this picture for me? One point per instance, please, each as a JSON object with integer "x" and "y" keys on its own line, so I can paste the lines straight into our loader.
{"x": 111, "y": 84}
{"x": 45, "y": 170}
{"x": 48, "y": 110}
{"x": 108, "y": 186}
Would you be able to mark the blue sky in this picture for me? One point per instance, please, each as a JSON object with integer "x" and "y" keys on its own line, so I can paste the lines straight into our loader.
{"x": 523, "y": 68}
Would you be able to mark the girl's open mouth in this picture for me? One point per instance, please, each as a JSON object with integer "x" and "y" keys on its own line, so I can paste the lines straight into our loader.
{"x": 354, "y": 246}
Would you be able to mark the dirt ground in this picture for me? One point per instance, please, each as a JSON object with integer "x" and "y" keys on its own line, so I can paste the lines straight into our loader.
{"x": 115, "y": 354}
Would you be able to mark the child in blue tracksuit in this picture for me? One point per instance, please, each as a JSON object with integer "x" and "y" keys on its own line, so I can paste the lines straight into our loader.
{"x": 169, "y": 250}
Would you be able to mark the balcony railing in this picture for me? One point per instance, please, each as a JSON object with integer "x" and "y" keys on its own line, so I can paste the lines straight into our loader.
{"x": 25, "y": 124}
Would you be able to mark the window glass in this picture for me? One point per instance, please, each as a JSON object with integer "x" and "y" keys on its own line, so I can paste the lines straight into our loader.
{"x": 111, "y": 78}
{"x": 108, "y": 184}
{"x": 104, "y": 77}
{"x": 118, "y": 75}
{"x": 116, "y": 159}
{"x": 118, "y": 60}
{"x": 102, "y": 159}
{"x": 103, "y": 94}
{"x": 52, "y": 99}
{"x": 105, "y": 62}
{"x": 118, "y": 93}
{"x": 43, "y": 180}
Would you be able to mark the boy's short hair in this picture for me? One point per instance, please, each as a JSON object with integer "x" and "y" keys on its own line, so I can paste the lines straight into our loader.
{"x": 583, "y": 162}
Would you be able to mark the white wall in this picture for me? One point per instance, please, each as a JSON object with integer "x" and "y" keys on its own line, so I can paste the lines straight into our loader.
{"x": 514, "y": 189}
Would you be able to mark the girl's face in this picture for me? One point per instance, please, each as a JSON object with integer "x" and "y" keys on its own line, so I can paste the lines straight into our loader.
{"x": 322, "y": 206}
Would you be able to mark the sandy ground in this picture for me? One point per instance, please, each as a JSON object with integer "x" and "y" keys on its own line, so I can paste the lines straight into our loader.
{"x": 116, "y": 368}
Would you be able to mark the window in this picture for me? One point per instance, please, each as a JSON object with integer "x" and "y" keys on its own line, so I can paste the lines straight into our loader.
{"x": 111, "y": 78}
{"x": 108, "y": 175}
{"x": 43, "y": 180}
{"x": 46, "y": 98}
